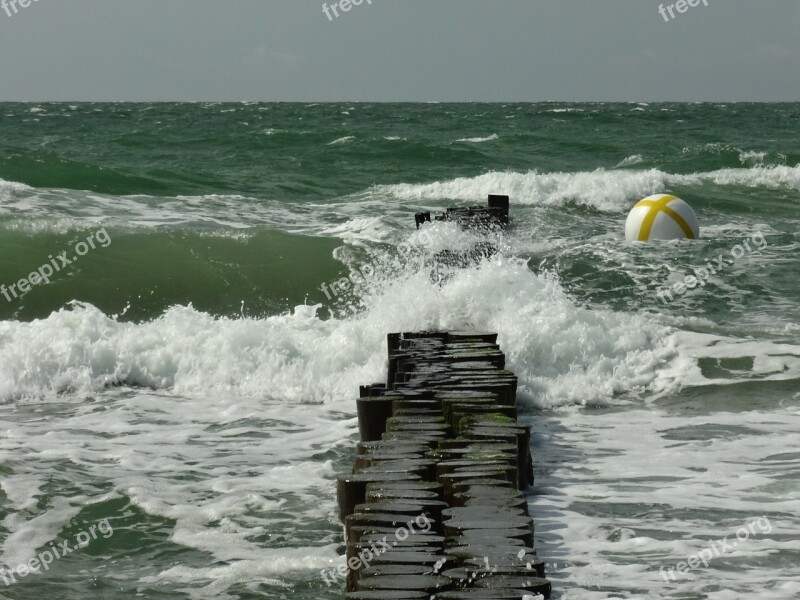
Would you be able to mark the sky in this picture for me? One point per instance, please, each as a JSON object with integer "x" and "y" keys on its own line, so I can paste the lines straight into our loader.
{"x": 399, "y": 50}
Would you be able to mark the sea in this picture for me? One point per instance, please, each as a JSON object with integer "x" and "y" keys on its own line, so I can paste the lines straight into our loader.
{"x": 192, "y": 294}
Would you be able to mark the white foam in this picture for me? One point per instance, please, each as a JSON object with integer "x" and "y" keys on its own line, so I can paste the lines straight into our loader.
{"x": 231, "y": 473}
{"x": 771, "y": 361}
{"x": 654, "y": 488}
{"x": 82, "y": 350}
{"x": 359, "y": 230}
{"x": 26, "y": 535}
{"x": 262, "y": 569}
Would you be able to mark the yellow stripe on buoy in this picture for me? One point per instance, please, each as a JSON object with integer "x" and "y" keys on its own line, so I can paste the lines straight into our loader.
{"x": 658, "y": 206}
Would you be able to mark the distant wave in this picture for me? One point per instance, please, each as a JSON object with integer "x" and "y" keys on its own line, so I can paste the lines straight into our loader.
{"x": 342, "y": 140}
{"x": 775, "y": 177}
{"x": 636, "y": 159}
{"x": 478, "y": 140}
{"x": 752, "y": 158}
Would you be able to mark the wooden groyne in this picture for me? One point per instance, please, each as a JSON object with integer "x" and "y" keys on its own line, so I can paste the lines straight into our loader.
{"x": 473, "y": 217}
{"x": 493, "y": 217}
{"x": 434, "y": 507}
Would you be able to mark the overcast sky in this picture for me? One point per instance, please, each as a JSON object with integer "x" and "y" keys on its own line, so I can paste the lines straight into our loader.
{"x": 400, "y": 50}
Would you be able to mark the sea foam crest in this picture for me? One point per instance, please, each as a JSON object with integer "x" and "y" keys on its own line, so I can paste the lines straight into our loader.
{"x": 12, "y": 186}
{"x": 562, "y": 353}
{"x": 605, "y": 190}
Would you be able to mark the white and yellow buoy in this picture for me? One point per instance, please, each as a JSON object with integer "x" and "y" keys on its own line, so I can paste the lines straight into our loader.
{"x": 661, "y": 217}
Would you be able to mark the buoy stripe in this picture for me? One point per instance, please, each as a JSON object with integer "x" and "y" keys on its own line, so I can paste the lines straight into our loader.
{"x": 659, "y": 206}
{"x": 650, "y": 217}
{"x": 680, "y": 221}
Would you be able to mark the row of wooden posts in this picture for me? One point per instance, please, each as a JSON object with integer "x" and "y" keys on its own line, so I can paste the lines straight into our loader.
{"x": 434, "y": 507}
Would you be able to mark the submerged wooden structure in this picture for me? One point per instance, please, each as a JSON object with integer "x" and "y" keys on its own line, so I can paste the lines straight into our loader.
{"x": 493, "y": 217}
{"x": 434, "y": 506}
{"x": 473, "y": 217}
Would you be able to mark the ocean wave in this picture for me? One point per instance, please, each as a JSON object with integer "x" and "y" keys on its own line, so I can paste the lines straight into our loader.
{"x": 604, "y": 190}
{"x": 562, "y": 353}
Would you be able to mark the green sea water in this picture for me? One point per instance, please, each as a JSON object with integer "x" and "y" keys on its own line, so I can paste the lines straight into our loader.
{"x": 192, "y": 381}
{"x": 195, "y": 196}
